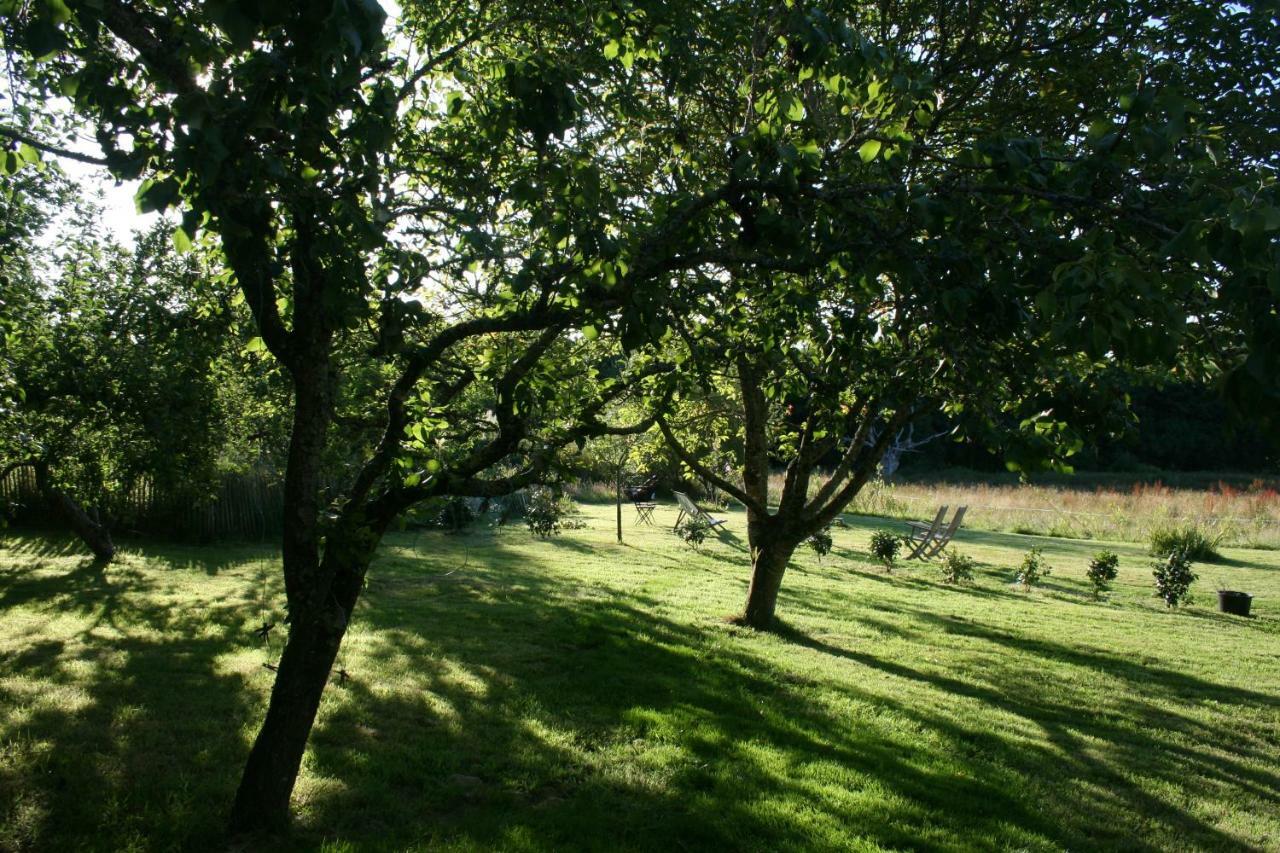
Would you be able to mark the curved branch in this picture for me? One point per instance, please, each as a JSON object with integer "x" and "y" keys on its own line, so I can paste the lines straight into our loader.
{"x": 706, "y": 473}
{"x": 57, "y": 151}
{"x": 156, "y": 40}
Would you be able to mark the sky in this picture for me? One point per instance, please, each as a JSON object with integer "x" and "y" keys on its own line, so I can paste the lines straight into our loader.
{"x": 120, "y": 213}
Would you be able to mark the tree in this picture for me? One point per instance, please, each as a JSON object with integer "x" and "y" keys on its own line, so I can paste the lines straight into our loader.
{"x": 615, "y": 455}
{"x": 427, "y": 217}
{"x": 976, "y": 209}
{"x": 109, "y": 354}
{"x": 29, "y": 200}
{"x": 464, "y": 203}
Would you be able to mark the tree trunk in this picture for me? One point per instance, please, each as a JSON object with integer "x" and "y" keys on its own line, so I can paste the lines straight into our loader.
{"x": 300, "y": 539}
{"x": 768, "y": 566}
{"x": 262, "y": 800}
{"x": 618, "y": 484}
{"x": 320, "y": 599}
{"x": 93, "y": 534}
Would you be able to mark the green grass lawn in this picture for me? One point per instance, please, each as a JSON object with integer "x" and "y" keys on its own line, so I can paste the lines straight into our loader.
{"x": 509, "y": 693}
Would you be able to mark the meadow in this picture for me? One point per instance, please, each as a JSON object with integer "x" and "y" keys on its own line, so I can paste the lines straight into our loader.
{"x": 1240, "y": 514}
{"x": 504, "y": 692}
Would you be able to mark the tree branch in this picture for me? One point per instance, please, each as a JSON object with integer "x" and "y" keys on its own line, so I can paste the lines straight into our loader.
{"x": 705, "y": 472}
{"x": 155, "y": 39}
{"x": 57, "y": 151}
{"x": 866, "y": 465}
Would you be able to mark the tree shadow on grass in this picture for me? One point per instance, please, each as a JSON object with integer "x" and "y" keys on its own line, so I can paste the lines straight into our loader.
{"x": 35, "y": 544}
{"x": 86, "y": 587}
{"x": 599, "y": 725}
{"x": 902, "y": 578}
{"x": 1091, "y": 749}
{"x": 123, "y": 729}
{"x": 1235, "y": 563}
{"x": 513, "y": 708}
{"x": 538, "y": 743}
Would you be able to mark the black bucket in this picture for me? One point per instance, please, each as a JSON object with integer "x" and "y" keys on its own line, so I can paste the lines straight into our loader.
{"x": 1234, "y": 602}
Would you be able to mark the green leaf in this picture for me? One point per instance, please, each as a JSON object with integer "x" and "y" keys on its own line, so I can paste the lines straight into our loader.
{"x": 58, "y": 11}
{"x": 611, "y": 49}
{"x": 590, "y": 332}
{"x": 156, "y": 195}
{"x": 182, "y": 242}
{"x": 869, "y": 150}
{"x": 44, "y": 39}
{"x": 254, "y": 345}
{"x": 792, "y": 108}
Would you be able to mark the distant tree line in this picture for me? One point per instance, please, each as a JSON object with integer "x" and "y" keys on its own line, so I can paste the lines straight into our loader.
{"x": 1177, "y": 425}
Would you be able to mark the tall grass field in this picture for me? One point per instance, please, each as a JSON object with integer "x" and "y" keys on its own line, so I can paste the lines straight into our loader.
{"x": 1245, "y": 515}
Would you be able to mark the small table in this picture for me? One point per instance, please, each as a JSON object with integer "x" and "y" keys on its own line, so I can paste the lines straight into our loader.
{"x": 644, "y": 512}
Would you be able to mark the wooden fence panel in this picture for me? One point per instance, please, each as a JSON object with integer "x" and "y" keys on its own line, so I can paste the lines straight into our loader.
{"x": 245, "y": 506}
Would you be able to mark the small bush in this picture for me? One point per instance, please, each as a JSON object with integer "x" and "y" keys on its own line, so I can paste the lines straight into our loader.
{"x": 693, "y": 532}
{"x": 885, "y": 547}
{"x": 1103, "y": 569}
{"x": 1174, "y": 578}
{"x": 509, "y": 507}
{"x": 820, "y": 542}
{"x": 456, "y": 515}
{"x": 545, "y": 512}
{"x": 1033, "y": 568}
{"x": 1193, "y": 542}
{"x": 957, "y": 567}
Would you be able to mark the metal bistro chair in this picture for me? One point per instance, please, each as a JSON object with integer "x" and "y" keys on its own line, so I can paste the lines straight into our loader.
{"x": 644, "y": 511}
{"x": 641, "y": 497}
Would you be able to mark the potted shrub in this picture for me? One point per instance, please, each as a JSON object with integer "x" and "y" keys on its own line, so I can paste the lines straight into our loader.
{"x": 1033, "y": 568}
{"x": 820, "y": 542}
{"x": 1234, "y": 602}
{"x": 957, "y": 567}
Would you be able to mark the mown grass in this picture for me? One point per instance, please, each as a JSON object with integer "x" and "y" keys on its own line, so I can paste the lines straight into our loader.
{"x": 509, "y": 693}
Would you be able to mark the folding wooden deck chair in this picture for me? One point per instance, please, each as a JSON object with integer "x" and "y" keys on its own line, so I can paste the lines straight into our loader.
{"x": 689, "y": 509}
{"x": 927, "y": 540}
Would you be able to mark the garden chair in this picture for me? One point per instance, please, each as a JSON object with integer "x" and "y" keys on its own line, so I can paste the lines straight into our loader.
{"x": 689, "y": 509}
{"x": 641, "y": 497}
{"x": 644, "y": 511}
{"x": 927, "y": 540}
{"x": 921, "y": 532}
